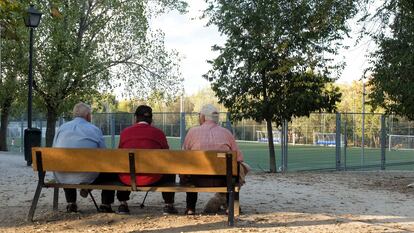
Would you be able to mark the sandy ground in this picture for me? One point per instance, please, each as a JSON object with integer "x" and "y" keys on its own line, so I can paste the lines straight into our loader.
{"x": 293, "y": 202}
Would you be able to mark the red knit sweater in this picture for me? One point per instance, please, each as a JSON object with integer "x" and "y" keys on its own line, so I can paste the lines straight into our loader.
{"x": 142, "y": 136}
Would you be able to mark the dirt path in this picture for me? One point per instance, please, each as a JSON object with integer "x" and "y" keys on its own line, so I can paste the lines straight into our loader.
{"x": 294, "y": 202}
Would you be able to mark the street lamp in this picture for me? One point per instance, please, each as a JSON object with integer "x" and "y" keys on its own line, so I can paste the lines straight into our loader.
{"x": 32, "y": 136}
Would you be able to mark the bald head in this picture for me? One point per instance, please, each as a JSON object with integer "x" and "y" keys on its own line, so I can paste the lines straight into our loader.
{"x": 82, "y": 110}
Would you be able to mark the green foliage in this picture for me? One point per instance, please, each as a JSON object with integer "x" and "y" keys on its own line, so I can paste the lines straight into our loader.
{"x": 105, "y": 102}
{"x": 12, "y": 58}
{"x": 13, "y": 50}
{"x": 11, "y": 19}
{"x": 158, "y": 104}
{"x": 393, "y": 63}
{"x": 275, "y": 63}
{"x": 84, "y": 47}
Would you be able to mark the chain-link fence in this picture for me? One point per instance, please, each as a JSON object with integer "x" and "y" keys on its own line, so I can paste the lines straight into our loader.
{"x": 365, "y": 141}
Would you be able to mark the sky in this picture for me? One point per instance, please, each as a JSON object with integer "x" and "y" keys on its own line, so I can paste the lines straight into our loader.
{"x": 188, "y": 34}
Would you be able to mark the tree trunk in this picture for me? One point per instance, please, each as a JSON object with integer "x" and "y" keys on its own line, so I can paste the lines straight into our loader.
{"x": 50, "y": 128}
{"x": 4, "y": 119}
{"x": 3, "y": 130}
{"x": 272, "y": 156}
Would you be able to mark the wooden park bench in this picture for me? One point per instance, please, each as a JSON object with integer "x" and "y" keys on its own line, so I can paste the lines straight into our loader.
{"x": 137, "y": 161}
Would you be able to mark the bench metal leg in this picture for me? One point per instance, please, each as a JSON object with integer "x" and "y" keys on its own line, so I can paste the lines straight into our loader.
{"x": 236, "y": 204}
{"x": 143, "y": 201}
{"x": 230, "y": 220}
{"x": 34, "y": 202}
{"x": 93, "y": 199}
{"x": 55, "y": 199}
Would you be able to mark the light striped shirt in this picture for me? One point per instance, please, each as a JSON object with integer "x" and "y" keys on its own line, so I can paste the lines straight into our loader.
{"x": 210, "y": 136}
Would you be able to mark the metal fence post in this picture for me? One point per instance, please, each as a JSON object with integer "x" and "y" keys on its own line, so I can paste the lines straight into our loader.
{"x": 285, "y": 165}
{"x": 363, "y": 124}
{"x": 41, "y": 132}
{"x": 228, "y": 122}
{"x": 284, "y": 146}
{"x": 182, "y": 128}
{"x": 338, "y": 141}
{"x": 112, "y": 130}
{"x": 383, "y": 142}
{"x": 21, "y": 133}
{"x": 345, "y": 141}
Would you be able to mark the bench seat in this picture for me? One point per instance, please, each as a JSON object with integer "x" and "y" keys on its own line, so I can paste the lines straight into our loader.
{"x": 167, "y": 187}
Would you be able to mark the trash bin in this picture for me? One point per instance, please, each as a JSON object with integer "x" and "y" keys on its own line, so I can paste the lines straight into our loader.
{"x": 32, "y": 138}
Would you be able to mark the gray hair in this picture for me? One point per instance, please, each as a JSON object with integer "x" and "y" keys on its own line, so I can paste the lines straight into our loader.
{"x": 81, "y": 110}
{"x": 210, "y": 112}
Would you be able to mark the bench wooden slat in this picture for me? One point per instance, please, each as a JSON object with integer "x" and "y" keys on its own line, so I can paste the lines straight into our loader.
{"x": 161, "y": 188}
{"x": 146, "y": 161}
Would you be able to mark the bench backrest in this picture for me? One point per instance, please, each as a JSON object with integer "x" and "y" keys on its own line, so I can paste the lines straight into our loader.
{"x": 146, "y": 161}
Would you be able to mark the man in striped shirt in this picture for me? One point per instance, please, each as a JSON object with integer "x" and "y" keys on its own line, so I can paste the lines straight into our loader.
{"x": 208, "y": 136}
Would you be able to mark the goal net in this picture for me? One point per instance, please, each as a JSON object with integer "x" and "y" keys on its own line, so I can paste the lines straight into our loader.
{"x": 262, "y": 136}
{"x": 326, "y": 139}
{"x": 401, "y": 142}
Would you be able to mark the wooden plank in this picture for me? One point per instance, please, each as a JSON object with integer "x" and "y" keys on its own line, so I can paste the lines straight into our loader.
{"x": 82, "y": 160}
{"x": 184, "y": 189}
{"x": 165, "y": 188}
{"x": 89, "y": 186}
{"x": 182, "y": 162}
{"x": 147, "y": 161}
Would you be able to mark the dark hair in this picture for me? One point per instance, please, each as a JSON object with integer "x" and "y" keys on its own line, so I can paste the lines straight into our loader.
{"x": 144, "y": 113}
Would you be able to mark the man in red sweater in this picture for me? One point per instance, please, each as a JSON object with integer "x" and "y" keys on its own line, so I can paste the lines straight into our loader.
{"x": 142, "y": 135}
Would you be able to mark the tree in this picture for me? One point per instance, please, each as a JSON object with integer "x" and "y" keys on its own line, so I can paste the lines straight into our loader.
{"x": 88, "y": 46}
{"x": 275, "y": 64}
{"x": 12, "y": 60}
{"x": 105, "y": 102}
{"x": 392, "y": 68}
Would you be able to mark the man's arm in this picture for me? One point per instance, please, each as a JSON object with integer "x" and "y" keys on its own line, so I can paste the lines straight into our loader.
{"x": 98, "y": 136}
{"x": 101, "y": 140}
{"x": 56, "y": 137}
{"x": 54, "y": 140}
{"x": 164, "y": 142}
{"x": 187, "y": 140}
{"x": 121, "y": 140}
{"x": 235, "y": 147}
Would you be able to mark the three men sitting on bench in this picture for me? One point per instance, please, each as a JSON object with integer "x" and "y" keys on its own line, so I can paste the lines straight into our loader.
{"x": 80, "y": 133}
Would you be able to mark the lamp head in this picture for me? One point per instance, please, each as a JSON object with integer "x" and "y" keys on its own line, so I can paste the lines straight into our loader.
{"x": 32, "y": 18}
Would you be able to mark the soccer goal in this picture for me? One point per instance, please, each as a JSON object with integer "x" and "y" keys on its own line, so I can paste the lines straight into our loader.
{"x": 262, "y": 136}
{"x": 400, "y": 142}
{"x": 326, "y": 139}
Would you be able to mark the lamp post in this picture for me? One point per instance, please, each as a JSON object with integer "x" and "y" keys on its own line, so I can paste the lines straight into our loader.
{"x": 363, "y": 120}
{"x": 32, "y": 136}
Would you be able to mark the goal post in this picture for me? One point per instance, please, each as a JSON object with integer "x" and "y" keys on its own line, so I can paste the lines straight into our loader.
{"x": 326, "y": 139}
{"x": 400, "y": 142}
{"x": 262, "y": 136}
